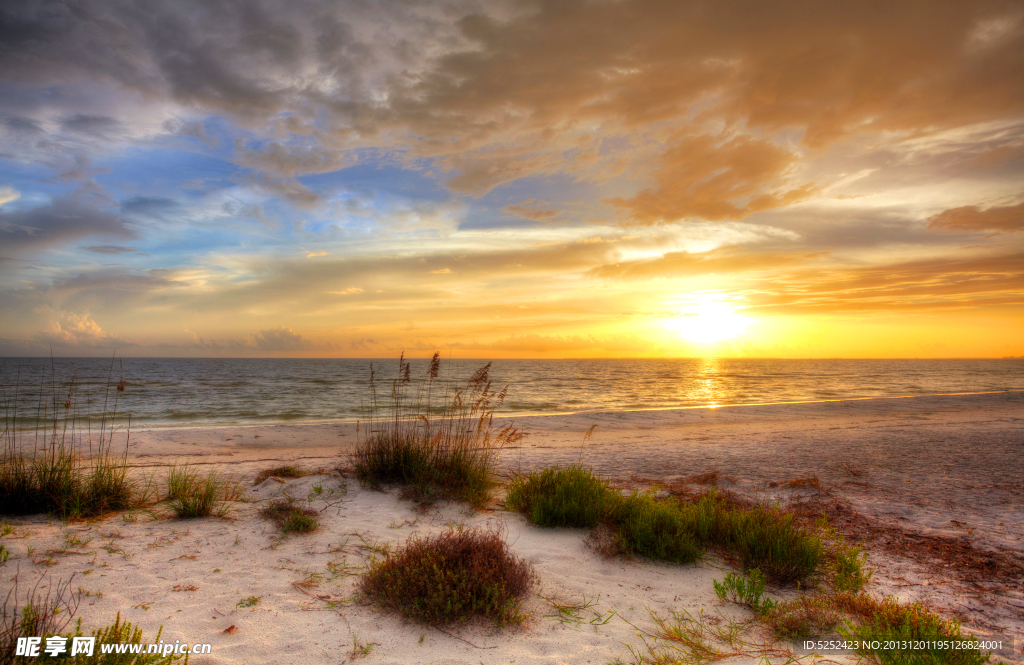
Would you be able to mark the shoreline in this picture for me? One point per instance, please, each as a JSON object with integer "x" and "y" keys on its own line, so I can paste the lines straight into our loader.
{"x": 512, "y": 415}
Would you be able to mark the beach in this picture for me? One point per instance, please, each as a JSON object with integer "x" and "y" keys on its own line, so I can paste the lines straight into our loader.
{"x": 932, "y": 484}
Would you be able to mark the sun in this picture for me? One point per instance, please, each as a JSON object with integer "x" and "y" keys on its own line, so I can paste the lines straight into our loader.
{"x": 710, "y": 319}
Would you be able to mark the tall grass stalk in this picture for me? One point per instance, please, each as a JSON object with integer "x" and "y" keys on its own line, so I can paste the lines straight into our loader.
{"x": 64, "y": 467}
{"x": 436, "y": 438}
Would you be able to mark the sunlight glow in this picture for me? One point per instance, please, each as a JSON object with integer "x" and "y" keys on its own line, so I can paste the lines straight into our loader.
{"x": 710, "y": 319}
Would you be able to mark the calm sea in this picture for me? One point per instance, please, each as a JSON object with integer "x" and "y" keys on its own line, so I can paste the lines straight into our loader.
{"x": 191, "y": 392}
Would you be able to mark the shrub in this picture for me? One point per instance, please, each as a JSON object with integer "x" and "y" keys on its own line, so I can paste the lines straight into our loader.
{"x": 656, "y": 529}
{"x": 180, "y": 480}
{"x": 451, "y": 577}
{"x": 889, "y": 620}
{"x": 572, "y": 497}
{"x": 291, "y": 518}
{"x": 867, "y": 619}
{"x": 448, "y": 454}
{"x": 766, "y": 538}
{"x": 761, "y": 537}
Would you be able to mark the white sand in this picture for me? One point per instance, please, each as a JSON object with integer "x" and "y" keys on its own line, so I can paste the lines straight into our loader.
{"x": 933, "y": 465}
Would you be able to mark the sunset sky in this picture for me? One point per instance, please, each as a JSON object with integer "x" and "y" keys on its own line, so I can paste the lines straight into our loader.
{"x": 512, "y": 179}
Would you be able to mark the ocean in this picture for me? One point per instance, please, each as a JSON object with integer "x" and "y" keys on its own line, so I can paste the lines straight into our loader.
{"x": 175, "y": 392}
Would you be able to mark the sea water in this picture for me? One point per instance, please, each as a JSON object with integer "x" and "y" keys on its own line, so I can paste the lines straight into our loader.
{"x": 205, "y": 391}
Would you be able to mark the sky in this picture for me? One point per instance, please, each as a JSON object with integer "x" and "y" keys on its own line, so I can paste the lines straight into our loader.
{"x": 604, "y": 178}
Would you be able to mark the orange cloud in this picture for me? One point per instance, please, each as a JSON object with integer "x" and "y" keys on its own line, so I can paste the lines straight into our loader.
{"x": 679, "y": 264}
{"x": 703, "y": 177}
{"x": 1007, "y": 219}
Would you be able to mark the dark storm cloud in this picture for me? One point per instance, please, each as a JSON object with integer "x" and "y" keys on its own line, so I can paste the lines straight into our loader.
{"x": 110, "y": 249}
{"x": 22, "y": 125}
{"x": 76, "y": 215}
{"x": 148, "y": 205}
{"x": 88, "y": 124}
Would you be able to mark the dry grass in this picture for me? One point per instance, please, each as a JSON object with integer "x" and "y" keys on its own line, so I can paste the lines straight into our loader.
{"x": 868, "y": 619}
{"x": 444, "y": 451}
{"x": 452, "y": 577}
{"x": 35, "y": 615}
{"x": 288, "y": 471}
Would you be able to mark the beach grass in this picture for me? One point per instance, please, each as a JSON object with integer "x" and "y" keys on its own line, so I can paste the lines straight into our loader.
{"x": 759, "y": 536}
{"x": 193, "y": 495}
{"x": 438, "y": 441}
{"x": 66, "y": 468}
{"x": 451, "y": 577}
{"x": 291, "y": 517}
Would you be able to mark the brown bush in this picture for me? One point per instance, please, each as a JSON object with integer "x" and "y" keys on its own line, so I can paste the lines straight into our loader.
{"x": 451, "y": 577}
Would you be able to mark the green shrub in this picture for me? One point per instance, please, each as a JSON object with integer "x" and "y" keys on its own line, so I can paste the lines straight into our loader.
{"x": 291, "y": 518}
{"x": 891, "y": 621}
{"x": 655, "y": 529}
{"x": 848, "y": 572}
{"x": 450, "y": 578}
{"x": 761, "y": 537}
{"x": 35, "y": 615}
{"x": 868, "y": 619}
{"x": 766, "y": 538}
{"x": 572, "y": 497}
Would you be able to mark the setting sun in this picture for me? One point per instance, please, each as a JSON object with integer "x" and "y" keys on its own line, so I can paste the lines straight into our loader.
{"x": 712, "y": 319}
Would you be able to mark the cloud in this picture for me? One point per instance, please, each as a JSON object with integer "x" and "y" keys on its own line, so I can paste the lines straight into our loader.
{"x": 280, "y": 339}
{"x": 8, "y": 194}
{"x": 79, "y": 330}
{"x": 1004, "y": 219}
{"x": 715, "y": 179}
{"x": 110, "y": 249}
{"x": 152, "y": 206}
{"x": 927, "y": 284}
{"x": 76, "y": 215}
{"x": 722, "y": 260}
{"x": 477, "y": 92}
{"x": 534, "y": 212}
{"x": 88, "y": 124}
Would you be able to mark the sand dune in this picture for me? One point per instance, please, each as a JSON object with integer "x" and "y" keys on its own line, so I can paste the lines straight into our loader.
{"x": 943, "y": 467}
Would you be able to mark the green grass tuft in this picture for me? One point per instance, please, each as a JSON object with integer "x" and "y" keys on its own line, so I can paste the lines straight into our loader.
{"x": 290, "y": 517}
{"x": 572, "y": 497}
{"x": 746, "y": 590}
{"x": 194, "y": 496}
{"x": 450, "y": 578}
